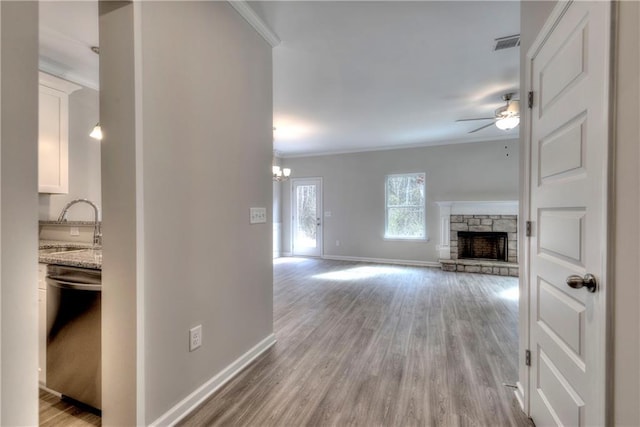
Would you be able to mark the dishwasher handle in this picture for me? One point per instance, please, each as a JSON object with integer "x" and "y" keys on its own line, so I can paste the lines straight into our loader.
{"x": 72, "y": 285}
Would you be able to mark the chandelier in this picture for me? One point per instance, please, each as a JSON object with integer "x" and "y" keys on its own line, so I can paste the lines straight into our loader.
{"x": 279, "y": 174}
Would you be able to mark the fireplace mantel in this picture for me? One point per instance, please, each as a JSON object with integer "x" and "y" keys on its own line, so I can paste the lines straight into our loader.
{"x": 448, "y": 208}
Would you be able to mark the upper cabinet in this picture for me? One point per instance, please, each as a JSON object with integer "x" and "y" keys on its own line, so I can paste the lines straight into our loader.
{"x": 53, "y": 134}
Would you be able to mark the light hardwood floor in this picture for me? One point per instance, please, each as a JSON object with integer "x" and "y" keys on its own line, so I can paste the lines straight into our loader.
{"x": 376, "y": 345}
{"x": 55, "y": 412}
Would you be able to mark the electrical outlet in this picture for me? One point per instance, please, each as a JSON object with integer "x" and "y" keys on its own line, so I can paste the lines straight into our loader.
{"x": 74, "y": 231}
{"x": 337, "y": 242}
{"x": 257, "y": 215}
{"x": 195, "y": 337}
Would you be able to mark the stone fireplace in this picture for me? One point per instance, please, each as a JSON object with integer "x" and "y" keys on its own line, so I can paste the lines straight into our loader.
{"x": 479, "y": 237}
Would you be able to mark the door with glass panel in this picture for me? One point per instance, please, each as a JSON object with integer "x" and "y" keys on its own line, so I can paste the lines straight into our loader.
{"x": 306, "y": 211}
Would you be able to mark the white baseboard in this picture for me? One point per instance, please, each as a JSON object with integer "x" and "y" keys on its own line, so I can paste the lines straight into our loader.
{"x": 383, "y": 260}
{"x": 189, "y": 403}
{"x": 48, "y": 390}
{"x": 286, "y": 254}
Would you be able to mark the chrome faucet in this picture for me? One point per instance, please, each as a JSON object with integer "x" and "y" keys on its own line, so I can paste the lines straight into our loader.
{"x": 97, "y": 233}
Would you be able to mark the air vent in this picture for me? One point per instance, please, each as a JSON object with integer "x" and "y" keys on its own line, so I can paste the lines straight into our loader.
{"x": 507, "y": 42}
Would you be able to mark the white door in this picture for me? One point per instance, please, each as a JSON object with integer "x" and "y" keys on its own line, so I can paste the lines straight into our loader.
{"x": 307, "y": 216}
{"x": 568, "y": 194}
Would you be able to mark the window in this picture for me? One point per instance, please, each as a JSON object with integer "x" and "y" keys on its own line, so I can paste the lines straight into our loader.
{"x": 405, "y": 202}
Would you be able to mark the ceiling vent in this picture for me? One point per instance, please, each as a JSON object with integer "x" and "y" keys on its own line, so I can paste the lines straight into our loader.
{"x": 507, "y": 42}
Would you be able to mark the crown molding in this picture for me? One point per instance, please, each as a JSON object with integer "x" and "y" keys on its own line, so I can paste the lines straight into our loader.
{"x": 45, "y": 67}
{"x": 285, "y": 155}
{"x": 57, "y": 83}
{"x": 243, "y": 8}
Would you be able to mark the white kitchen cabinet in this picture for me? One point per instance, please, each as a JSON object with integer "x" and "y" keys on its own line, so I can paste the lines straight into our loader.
{"x": 42, "y": 324}
{"x": 53, "y": 134}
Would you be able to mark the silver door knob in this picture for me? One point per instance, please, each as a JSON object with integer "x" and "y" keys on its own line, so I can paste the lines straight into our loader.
{"x": 588, "y": 281}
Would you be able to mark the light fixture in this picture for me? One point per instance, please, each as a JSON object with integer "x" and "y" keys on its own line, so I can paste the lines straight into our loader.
{"x": 279, "y": 174}
{"x": 96, "y": 133}
{"x": 507, "y": 123}
{"x": 509, "y": 117}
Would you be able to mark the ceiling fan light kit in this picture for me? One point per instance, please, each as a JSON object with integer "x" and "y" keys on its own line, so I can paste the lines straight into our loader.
{"x": 506, "y": 118}
{"x": 507, "y": 123}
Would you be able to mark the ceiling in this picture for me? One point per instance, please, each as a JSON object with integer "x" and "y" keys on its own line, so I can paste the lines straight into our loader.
{"x": 68, "y": 29}
{"x": 351, "y": 76}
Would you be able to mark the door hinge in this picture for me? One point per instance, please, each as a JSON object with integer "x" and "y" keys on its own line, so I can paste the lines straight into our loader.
{"x": 527, "y": 357}
{"x": 530, "y": 100}
{"x": 528, "y": 231}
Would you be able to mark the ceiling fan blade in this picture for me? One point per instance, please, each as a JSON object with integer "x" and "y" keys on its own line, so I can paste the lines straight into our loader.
{"x": 480, "y": 128}
{"x": 481, "y": 118}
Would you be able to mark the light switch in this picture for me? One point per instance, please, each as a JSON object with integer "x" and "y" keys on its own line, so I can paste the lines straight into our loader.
{"x": 257, "y": 215}
{"x": 327, "y": 214}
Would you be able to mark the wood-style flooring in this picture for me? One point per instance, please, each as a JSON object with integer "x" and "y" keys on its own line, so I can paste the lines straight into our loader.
{"x": 58, "y": 413}
{"x": 379, "y": 345}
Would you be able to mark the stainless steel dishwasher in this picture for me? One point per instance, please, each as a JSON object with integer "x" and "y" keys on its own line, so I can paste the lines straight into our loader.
{"x": 73, "y": 333}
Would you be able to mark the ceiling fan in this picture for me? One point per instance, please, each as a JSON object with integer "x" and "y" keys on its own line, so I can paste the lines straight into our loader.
{"x": 506, "y": 117}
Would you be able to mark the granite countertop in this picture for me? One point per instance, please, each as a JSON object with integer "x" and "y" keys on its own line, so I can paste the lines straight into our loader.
{"x": 78, "y": 254}
{"x": 68, "y": 223}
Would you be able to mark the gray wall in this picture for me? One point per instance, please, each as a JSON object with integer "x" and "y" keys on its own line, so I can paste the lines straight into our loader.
{"x": 625, "y": 207}
{"x": 122, "y": 273}
{"x": 354, "y": 192}
{"x": 84, "y": 161}
{"x": 207, "y": 157}
{"x": 191, "y": 157}
{"x": 626, "y": 293}
{"x": 18, "y": 212}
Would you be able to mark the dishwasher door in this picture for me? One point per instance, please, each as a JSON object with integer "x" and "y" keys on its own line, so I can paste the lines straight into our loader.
{"x": 74, "y": 333}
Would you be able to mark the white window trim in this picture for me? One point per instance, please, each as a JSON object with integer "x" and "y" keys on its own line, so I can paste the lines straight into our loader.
{"x": 425, "y": 236}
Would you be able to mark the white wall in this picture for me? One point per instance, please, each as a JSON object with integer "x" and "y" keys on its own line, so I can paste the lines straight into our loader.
{"x": 18, "y": 212}
{"x": 354, "y": 192}
{"x": 191, "y": 154}
{"x": 84, "y": 161}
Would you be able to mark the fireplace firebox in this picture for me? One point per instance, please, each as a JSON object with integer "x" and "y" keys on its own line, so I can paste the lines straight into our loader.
{"x": 489, "y": 245}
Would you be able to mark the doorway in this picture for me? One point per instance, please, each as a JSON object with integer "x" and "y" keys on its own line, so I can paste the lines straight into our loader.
{"x": 306, "y": 208}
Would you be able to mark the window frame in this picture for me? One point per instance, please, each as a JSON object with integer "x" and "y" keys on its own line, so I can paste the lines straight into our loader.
{"x": 386, "y": 235}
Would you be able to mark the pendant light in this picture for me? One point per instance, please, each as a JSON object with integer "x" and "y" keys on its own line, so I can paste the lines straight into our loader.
{"x": 96, "y": 133}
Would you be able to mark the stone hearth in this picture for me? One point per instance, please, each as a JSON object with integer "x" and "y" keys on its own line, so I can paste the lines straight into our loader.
{"x": 484, "y": 267}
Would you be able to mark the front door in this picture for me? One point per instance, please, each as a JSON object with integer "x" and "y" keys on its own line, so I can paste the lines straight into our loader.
{"x": 306, "y": 208}
{"x": 569, "y": 68}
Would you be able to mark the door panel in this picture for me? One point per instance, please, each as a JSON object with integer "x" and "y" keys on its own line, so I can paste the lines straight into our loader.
{"x": 568, "y": 406}
{"x": 307, "y": 208}
{"x": 569, "y": 149}
{"x": 565, "y": 67}
{"x": 563, "y": 317}
{"x": 562, "y": 152}
{"x": 562, "y": 233}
